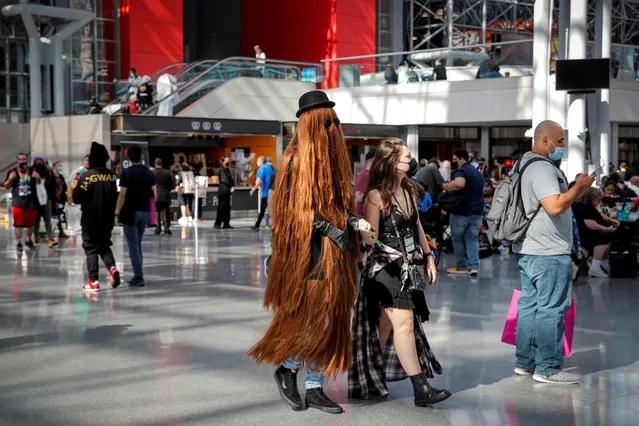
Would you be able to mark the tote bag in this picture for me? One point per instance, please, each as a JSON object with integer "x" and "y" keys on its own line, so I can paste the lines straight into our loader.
{"x": 509, "y": 336}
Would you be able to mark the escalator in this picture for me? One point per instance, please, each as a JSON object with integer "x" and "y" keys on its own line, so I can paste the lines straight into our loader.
{"x": 201, "y": 78}
{"x": 177, "y": 69}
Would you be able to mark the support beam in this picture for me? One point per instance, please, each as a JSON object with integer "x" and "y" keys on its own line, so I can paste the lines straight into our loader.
{"x": 35, "y": 78}
{"x": 58, "y": 79}
{"x": 614, "y": 139}
{"x": 541, "y": 59}
{"x": 577, "y": 103}
{"x": 484, "y": 12}
{"x": 564, "y": 26}
{"x": 485, "y": 144}
{"x": 603, "y": 25}
{"x": 412, "y": 140}
{"x": 450, "y": 19}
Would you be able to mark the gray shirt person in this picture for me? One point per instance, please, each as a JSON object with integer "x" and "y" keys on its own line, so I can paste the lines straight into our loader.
{"x": 547, "y": 235}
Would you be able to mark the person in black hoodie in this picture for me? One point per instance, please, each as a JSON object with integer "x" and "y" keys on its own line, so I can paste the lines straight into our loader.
{"x": 97, "y": 193}
{"x": 225, "y": 187}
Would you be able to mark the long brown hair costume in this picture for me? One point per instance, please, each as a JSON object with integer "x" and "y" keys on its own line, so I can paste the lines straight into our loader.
{"x": 311, "y": 305}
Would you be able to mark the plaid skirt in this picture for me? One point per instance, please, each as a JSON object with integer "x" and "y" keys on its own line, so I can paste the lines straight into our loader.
{"x": 371, "y": 367}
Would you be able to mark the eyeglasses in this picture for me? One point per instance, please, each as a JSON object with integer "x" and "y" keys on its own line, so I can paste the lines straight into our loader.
{"x": 328, "y": 123}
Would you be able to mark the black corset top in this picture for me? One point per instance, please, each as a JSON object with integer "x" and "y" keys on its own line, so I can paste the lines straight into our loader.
{"x": 405, "y": 226}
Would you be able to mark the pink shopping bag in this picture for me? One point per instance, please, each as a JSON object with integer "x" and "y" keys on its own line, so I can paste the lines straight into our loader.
{"x": 509, "y": 336}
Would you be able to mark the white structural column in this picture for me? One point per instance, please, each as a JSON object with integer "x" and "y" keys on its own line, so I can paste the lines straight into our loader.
{"x": 485, "y": 144}
{"x": 601, "y": 139}
{"x": 412, "y": 140}
{"x": 576, "y": 122}
{"x": 564, "y": 28}
{"x": 614, "y": 139}
{"x": 58, "y": 78}
{"x": 541, "y": 60}
{"x": 35, "y": 77}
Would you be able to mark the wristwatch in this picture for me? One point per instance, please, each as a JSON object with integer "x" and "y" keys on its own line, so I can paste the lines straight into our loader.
{"x": 429, "y": 253}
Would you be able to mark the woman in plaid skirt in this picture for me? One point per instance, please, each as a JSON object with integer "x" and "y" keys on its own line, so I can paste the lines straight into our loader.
{"x": 388, "y": 340}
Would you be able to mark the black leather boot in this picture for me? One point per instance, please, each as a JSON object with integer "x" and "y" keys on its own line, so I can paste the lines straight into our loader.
{"x": 316, "y": 398}
{"x": 287, "y": 384}
{"x": 425, "y": 394}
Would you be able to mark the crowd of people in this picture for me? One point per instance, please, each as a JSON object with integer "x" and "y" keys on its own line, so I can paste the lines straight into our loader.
{"x": 395, "y": 207}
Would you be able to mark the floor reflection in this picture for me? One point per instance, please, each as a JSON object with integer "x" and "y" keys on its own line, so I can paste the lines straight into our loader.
{"x": 174, "y": 352}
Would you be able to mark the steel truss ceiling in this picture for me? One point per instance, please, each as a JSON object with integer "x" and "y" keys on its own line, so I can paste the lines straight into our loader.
{"x": 443, "y": 23}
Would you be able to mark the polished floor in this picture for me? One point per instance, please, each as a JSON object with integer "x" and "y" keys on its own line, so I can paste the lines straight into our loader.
{"x": 173, "y": 353}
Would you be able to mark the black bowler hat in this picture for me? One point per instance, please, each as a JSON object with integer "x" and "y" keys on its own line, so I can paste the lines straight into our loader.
{"x": 312, "y": 100}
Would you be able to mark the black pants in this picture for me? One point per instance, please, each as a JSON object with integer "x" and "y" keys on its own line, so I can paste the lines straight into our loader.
{"x": 97, "y": 243}
{"x": 263, "y": 205}
{"x": 163, "y": 211}
{"x": 223, "y": 211}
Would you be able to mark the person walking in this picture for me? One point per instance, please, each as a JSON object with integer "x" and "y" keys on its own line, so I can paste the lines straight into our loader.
{"x": 137, "y": 187}
{"x": 97, "y": 192}
{"x": 361, "y": 182}
{"x": 391, "y": 299}
{"x": 265, "y": 175}
{"x": 466, "y": 221}
{"x": 225, "y": 188}
{"x": 544, "y": 259}
{"x": 60, "y": 197}
{"x": 21, "y": 181}
{"x": 45, "y": 191}
{"x": 164, "y": 183}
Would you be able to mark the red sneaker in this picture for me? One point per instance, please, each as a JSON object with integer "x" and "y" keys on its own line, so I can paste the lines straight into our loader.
{"x": 115, "y": 277}
{"x": 91, "y": 286}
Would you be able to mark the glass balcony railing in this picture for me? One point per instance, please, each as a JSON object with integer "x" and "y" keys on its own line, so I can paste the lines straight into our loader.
{"x": 506, "y": 59}
{"x": 206, "y": 76}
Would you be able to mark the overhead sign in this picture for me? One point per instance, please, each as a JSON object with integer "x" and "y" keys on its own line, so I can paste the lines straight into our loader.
{"x": 153, "y": 124}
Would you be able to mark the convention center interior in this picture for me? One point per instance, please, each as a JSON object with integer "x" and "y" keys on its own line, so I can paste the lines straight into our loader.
{"x": 319, "y": 212}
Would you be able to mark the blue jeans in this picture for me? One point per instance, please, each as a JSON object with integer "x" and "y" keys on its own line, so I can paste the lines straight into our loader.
{"x": 133, "y": 234}
{"x": 546, "y": 288}
{"x": 465, "y": 230}
{"x": 314, "y": 377}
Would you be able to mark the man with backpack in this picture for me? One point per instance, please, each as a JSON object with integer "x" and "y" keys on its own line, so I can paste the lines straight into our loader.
{"x": 532, "y": 210}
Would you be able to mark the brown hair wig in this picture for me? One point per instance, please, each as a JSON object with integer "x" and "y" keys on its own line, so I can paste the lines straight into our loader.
{"x": 384, "y": 175}
{"x": 311, "y": 317}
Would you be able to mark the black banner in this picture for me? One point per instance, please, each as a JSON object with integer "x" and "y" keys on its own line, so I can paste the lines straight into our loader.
{"x": 153, "y": 124}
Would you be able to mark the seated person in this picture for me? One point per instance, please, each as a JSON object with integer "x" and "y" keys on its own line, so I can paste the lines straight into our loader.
{"x": 595, "y": 230}
{"x": 621, "y": 189}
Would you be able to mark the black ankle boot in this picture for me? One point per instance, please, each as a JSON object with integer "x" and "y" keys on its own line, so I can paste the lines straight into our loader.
{"x": 425, "y": 394}
{"x": 287, "y": 384}
{"x": 316, "y": 398}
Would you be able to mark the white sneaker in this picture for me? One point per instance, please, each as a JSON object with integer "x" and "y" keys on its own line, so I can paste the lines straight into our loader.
{"x": 183, "y": 221}
{"x": 561, "y": 378}
{"x": 522, "y": 372}
{"x": 597, "y": 272}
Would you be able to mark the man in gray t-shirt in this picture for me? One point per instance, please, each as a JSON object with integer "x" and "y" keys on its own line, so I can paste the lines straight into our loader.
{"x": 547, "y": 235}
{"x": 544, "y": 260}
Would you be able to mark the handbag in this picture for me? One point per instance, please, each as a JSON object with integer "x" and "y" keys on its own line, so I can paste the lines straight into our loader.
{"x": 416, "y": 280}
{"x": 451, "y": 201}
{"x": 509, "y": 335}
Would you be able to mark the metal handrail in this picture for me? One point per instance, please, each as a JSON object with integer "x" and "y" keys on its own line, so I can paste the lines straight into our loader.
{"x": 240, "y": 59}
{"x": 411, "y": 52}
{"x": 119, "y": 98}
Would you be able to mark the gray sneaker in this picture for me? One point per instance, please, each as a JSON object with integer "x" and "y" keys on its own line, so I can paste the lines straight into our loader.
{"x": 560, "y": 378}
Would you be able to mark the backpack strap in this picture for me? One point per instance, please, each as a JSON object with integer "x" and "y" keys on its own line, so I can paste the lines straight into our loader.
{"x": 520, "y": 202}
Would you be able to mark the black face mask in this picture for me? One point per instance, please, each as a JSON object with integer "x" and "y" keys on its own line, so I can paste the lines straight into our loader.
{"x": 413, "y": 166}
{"x": 22, "y": 166}
{"x": 454, "y": 165}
